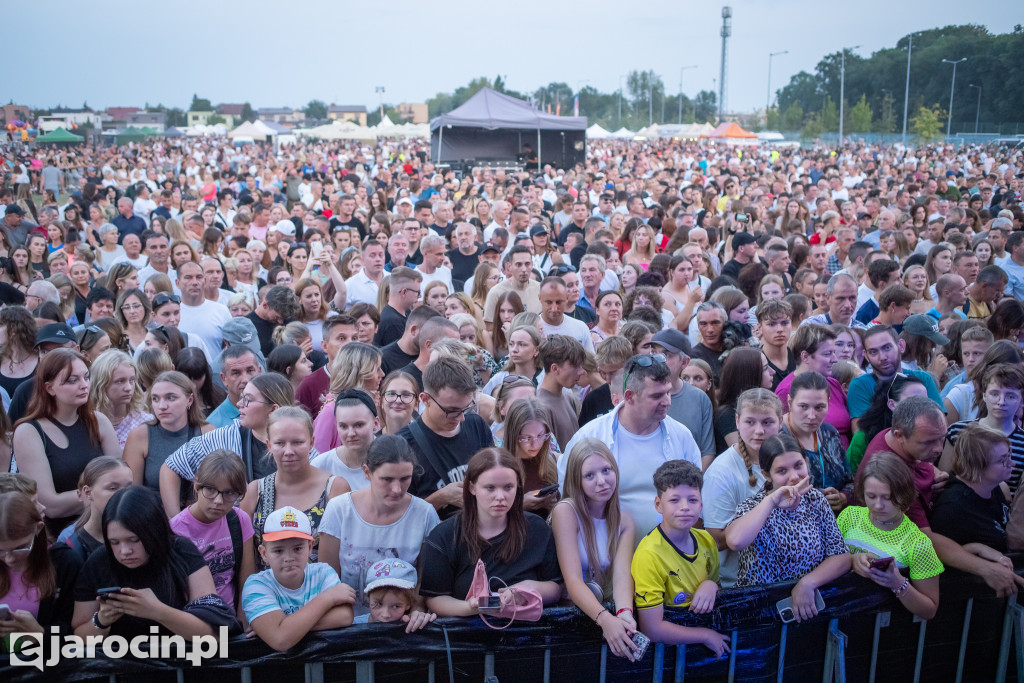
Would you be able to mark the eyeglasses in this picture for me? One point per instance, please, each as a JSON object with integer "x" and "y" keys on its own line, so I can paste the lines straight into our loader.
{"x": 229, "y": 496}
{"x": 453, "y": 413}
{"x": 409, "y": 289}
{"x": 246, "y": 400}
{"x": 528, "y": 440}
{"x": 132, "y": 307}
{"x": 561, "y": 269}
{"x": 888, "y": 394}
{"x": 165, "y": 297}
{"x": 641, "y": 361}
{"x": 18, "y": 553}
{"x": 405, "y": 397}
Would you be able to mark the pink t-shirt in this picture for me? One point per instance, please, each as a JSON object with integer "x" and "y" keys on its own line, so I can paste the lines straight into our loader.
{"x": 21, "y": 596}
{"x": 838, "y": 416}
{"x": 214, "y": 543}
{"x": 325, "y": 429}
{"x": 258, "y": 233}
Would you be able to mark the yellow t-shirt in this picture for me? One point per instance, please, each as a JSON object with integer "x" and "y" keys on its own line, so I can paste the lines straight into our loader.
{"x": 663, "y": 575}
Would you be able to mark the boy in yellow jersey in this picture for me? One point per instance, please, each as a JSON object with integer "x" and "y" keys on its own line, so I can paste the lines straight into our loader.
{"x": 675, "y": 564}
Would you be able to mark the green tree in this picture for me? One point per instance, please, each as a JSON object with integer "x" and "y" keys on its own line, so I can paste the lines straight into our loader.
{"x": 214, "y": 120}
{"x": 812, "y": 128}
{"x": 793, "y": 117}
{"x": 829, "y": 118}
{"x": 373, "y": 117}
{"x": 176, "y": 117}
{"x": 927, "y": 123}
{"x": 705, "y": 107}
{"x": 860, "y": 116}
{"x": 316, "y": 109}
{"x": 886, "y": 122}
{"x": 200, "y": 104}
{"x": 247, "y": 113}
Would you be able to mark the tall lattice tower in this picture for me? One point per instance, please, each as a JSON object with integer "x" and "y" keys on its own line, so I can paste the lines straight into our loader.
{"x": 722, "y": 85}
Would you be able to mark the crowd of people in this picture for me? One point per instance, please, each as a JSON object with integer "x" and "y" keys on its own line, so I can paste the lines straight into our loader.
{"x": 286, "y": 390}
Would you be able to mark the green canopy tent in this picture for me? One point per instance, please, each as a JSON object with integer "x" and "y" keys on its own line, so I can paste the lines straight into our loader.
{"x": 149, "y": 131}
{"x": 60, "y": 136}
{"x": 129, "y": 135}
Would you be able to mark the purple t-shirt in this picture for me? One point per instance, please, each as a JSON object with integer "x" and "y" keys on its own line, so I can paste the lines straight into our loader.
{"x": 214, "y": 543}
{"x": 838, "y": 416}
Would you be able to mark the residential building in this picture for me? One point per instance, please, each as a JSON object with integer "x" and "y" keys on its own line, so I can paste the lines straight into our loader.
{"x": 414, "y": 112}
{"x": 14, "y": 112}
{"x": 347, "y": 112}
{"x": 154, "y": 120}
{"x": 198, "y": 118}
{"x": 284, "y": 115}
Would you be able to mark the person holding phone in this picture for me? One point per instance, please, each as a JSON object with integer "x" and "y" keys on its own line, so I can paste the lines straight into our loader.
{"x": 884, "y": 542}
{"x": 787, "y": 531}
{"x": 528, "y": 434}
{"x": 35, "y": 577}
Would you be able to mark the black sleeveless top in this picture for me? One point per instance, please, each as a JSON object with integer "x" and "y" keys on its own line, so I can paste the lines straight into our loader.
{"x": 66, "y": 464}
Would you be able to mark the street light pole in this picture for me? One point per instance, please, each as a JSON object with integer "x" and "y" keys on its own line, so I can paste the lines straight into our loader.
{"x": 906, "y": 93}
{"x": 380, "y": 92}
{"x": 692, "y": 66}
{"x": 620, "y": 100}
{"x": 768, "y": 99}
{"x": 977, "y": 117}
{"x": 842, "y": 90}
{"x": 952, "y": 87}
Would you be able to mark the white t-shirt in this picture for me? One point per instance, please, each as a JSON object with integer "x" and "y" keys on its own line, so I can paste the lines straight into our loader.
{"x": 441, "y": 274}
{"x": 331, "y": 462}
{"x": 109, "y": 258}
{"x": 571, "y": 327}
{"x": 726, "y": 485}
{"x": 636, "y": 492}
{"x": 206, "y": 322}
{"x": 362, "y": 544}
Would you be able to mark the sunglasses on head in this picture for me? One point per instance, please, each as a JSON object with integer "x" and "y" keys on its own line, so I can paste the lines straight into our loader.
{"x": 164, "y": 297}
{"x": 641, "y": 361}
{"x": 561, "y": 269}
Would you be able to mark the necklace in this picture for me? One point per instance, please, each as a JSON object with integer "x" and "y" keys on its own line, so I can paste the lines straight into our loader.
{"x": 878, "y": 522}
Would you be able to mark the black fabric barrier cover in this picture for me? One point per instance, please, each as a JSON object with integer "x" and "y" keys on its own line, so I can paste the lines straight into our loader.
{"x": 575, "y": 644}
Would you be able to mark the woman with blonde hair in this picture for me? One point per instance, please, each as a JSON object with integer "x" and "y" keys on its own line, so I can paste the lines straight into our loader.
{"x": 595, "y": 564}
{"x": 434, "y": 295}
{"x": 916, "y": 280}
{"x": 643, "y": 248}
{"x": 115, "y": 393}
{"x": 120, "y": 277}
{"x": 155, "y": 284}
{"x": 523, "y": 357}
{"x": 356, "y": 366}
{"x": 485, "y": 277}
{"x": 312, "y": 309}
{"x": 177, "y": 419}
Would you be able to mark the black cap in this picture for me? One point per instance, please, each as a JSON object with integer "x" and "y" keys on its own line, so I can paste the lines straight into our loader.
{"x": 488, "y": 246}
{"x": 742, "y": 239}
{"x": 538, "y": 229}
{"x": 55, "y": 333}
{"x": 15, "y": 209}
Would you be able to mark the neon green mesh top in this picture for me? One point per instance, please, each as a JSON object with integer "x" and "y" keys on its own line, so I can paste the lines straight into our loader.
{"x": 910, "y": 547}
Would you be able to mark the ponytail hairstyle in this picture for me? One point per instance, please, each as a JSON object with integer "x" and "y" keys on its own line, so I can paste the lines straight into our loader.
{"x": 761, "y": 400}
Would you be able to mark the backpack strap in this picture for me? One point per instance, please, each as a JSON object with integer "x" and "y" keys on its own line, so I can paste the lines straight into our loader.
{"x": 235, "y": 529}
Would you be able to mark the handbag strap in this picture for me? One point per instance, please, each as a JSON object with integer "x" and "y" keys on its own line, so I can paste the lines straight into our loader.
{"x": 515, "y": 608}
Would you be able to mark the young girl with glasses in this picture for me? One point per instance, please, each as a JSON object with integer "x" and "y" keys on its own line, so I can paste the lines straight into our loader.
{"x": 528, "y": 435}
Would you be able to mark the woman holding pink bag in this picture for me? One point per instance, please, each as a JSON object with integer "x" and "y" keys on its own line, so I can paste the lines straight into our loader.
{"x": 516, "y": 548}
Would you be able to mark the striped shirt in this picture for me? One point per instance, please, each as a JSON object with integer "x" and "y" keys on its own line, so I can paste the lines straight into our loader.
{"x": 186, "y": 460}
{"x": 1016, "y": 438}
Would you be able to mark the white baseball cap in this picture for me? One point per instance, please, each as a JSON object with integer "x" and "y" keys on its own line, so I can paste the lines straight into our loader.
{"x": 287, "y": 522}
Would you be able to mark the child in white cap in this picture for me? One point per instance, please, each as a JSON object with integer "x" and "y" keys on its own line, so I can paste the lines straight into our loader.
{"x": 293, "y": 597}
{"x": 391, "y": 592}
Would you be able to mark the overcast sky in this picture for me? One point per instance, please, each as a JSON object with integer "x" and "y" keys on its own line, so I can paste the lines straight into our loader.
{"x": 287, "y": 53}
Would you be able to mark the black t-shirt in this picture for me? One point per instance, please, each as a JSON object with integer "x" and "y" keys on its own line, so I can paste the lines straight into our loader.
{"x": 462, "y": 265}
{"x": 265, "y": 331}
{"x": 394, "y": 358}
{"x": 412, "y": 370}
{"x": 19, "y": 400}
{"x": 732, "y": 269}
{"x": 725, "y": 423}
{"x": 447, "y": 457}
{"x": 11, "y": 295}
{"x": 584, "y": 315}
{"x": 596, "y": 403}
{"x": 709, "y": 356}
{"x": 97, "y": 574}
{"x": 782, "y": 373}
{"x": 964, "y": 516}
{"x": 391, "y": 327}
{"x": 448, "y": 569}
{"x": 353, "y": 222}
{"x": 570, "y": 227}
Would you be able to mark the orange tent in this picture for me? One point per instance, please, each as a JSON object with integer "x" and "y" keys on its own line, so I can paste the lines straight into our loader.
{"x": 731, "y": 130}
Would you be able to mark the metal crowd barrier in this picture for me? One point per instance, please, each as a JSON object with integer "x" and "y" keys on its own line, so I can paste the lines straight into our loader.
{"x": 863, "y": 634}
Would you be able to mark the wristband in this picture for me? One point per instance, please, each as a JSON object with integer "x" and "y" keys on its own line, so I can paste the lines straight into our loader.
{"x": 902, "y": 589}
{"x": 603, "y": 610}
{"x": 624, "y": 609}
{"x": 97, "y": 623}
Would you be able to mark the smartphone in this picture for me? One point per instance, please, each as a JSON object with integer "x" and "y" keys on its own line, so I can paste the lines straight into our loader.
{"x": 492, "y": 603}
{"x": 317, "y": 248}
{"x": 881, "y": 563}
{"x": 742, "y": 217}
{"x": 642, "y": 642}
{"x": 102, "y": 593}
{"x": 547, "y": 490}
{"x": 5, "y": 613}
{"x": 785, "y": 607}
